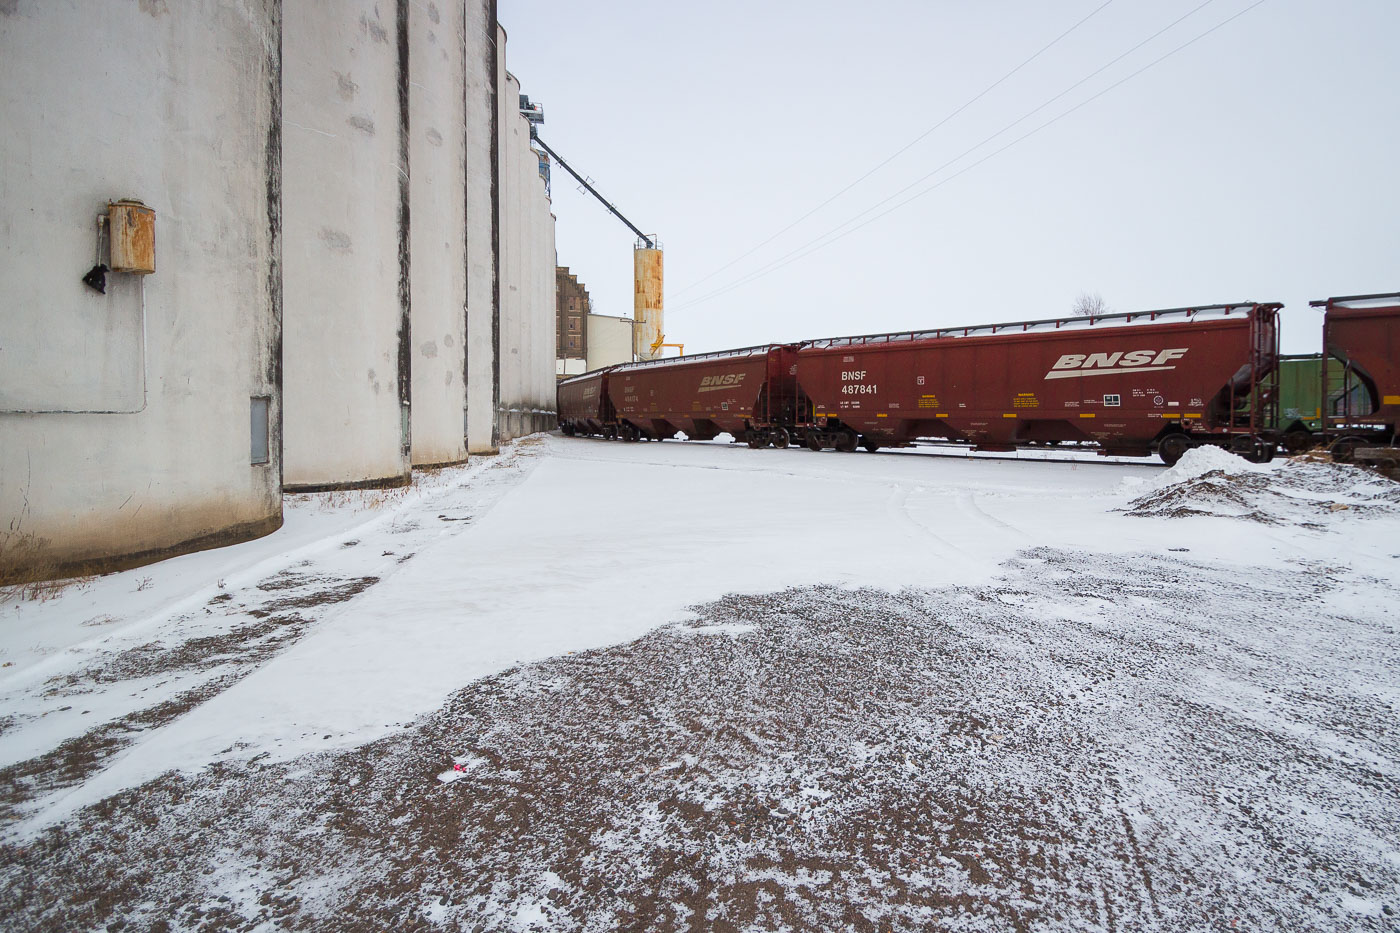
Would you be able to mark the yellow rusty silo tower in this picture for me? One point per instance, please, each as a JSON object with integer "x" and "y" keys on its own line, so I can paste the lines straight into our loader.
{"x": 648, "y": 328}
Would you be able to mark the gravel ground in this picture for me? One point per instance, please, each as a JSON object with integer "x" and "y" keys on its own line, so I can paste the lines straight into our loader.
{"x": 1097, "y": 743}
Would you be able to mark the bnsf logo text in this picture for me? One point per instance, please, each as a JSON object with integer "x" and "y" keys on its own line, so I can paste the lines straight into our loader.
{"x": 1101, "y": 364}
{"x": 715, "y": 383}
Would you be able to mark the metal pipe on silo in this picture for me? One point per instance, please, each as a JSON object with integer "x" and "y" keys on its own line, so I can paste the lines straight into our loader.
{"x": 648, "y": 328}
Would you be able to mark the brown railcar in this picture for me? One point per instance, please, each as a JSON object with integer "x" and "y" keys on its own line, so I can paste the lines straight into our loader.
{"x": 583, "y": 405}
{"x": 747, "y": 393}
{"x": 1361, "y": 338}
{"x": 1126, "y": 383}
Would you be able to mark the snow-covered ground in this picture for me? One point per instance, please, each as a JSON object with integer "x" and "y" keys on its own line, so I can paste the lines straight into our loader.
{"x": 968, "y": 638}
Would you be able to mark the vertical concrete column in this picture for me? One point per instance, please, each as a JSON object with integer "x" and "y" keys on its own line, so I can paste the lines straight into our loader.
{"x": 347, "y": 257}
{"x": 485, "y": 66}
{"x": 484, "y": 42}
{"x": 507, "y": 113}
{"x": 549, "y": 284}
{"x": 438, "y": 228}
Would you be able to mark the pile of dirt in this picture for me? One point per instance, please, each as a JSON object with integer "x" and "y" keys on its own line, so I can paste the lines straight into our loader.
{"x": 1302, "y": 491}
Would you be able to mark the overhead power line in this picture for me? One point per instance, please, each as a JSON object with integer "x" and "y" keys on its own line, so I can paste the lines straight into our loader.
{"x": 897, "y": 153}
{"x": 836, "y": 233}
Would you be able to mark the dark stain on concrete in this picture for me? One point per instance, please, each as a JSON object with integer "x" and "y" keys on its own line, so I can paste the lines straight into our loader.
{"x": 405, "y": 335}
{"x": 363, "y": 124}
{"x": 335, "y": 239}
{"x": 272, "y": 157}
{"x": 372, "y": 26}
{"x": 348, "y": 88}
{"x": 493, "y": 56}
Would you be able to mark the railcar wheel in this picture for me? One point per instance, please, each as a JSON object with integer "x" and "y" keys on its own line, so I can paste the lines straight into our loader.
{"x": 1173, "y": 447}
{"x": 846, "y": 441}
{"x": 782, "y": 439}
{"x": 1295, "y": 442}
{"x": 870, "y": 445}
{"x": 1343, "y": 450}
{"x": 814, "y": 441}
{"x": 1252, "y": 448}
{"x": 610, "y": 433}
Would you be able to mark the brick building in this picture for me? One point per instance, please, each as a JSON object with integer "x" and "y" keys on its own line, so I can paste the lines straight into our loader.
{"x": 571, "y": 311}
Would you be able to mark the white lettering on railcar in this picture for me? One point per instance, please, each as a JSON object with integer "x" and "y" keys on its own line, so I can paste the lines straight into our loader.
{"x": 854, "y": 384}
{"x": 1102, "y": 364}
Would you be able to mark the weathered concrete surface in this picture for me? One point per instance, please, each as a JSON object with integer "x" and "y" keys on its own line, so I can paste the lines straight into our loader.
{"x": 438, "y": 212}
{"x": 527, "y": 262}
{"x": 125, "y": 434}
{"x": 482, "y": 196}
{"x": 347, "y": 330}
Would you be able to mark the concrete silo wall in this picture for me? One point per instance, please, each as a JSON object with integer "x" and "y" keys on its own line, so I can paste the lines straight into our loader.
{"x": 483, "y": 192}
{"x": 527, "y": 263}
{"x": 125, "y": 417}
{"x": 438, "y": 223}
{"x": 509, "y": 236}
{"x": 346, "y": 258}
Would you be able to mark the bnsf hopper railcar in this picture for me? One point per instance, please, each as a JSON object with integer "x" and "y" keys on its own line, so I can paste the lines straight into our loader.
{"x": 583, "y": 406}
{"x": 1361, "y": 355}
{"x": 1127, "y": 384}
{"x": 1130, "y": 383}
{"x": 743, "y": 392}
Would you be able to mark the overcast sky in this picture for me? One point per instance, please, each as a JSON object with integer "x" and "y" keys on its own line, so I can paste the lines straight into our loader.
{"x": 1258, "y": 162}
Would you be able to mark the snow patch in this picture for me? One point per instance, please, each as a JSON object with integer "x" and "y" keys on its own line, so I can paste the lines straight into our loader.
{"x": 1199, "y": 461}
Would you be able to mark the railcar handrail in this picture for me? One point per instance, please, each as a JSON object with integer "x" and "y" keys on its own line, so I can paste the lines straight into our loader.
{"x": 673, "y": 360}
{"x": 697, "y": 357}
{"x": 588, "y": 375}
{"x": 1062, "y": 323}
{"x": 1339, "y": 299}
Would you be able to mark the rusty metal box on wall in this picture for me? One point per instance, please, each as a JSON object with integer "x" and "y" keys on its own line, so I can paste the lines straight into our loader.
{"x": 133, "y": 230}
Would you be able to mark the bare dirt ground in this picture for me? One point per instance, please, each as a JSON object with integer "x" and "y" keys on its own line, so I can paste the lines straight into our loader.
{"x": 1102, "y": 743}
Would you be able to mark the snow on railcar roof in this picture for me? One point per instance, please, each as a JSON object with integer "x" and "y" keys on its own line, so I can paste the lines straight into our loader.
{"x": 1359, "y": 302}
{"x": 699, "y": 357}
{"x": 1119, "y": 319}
{"x": 579, "y": 376}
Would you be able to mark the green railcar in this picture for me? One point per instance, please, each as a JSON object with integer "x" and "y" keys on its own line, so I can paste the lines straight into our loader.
{"x": 1301, "y": 406}
{"x": 1300, "y": 392}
